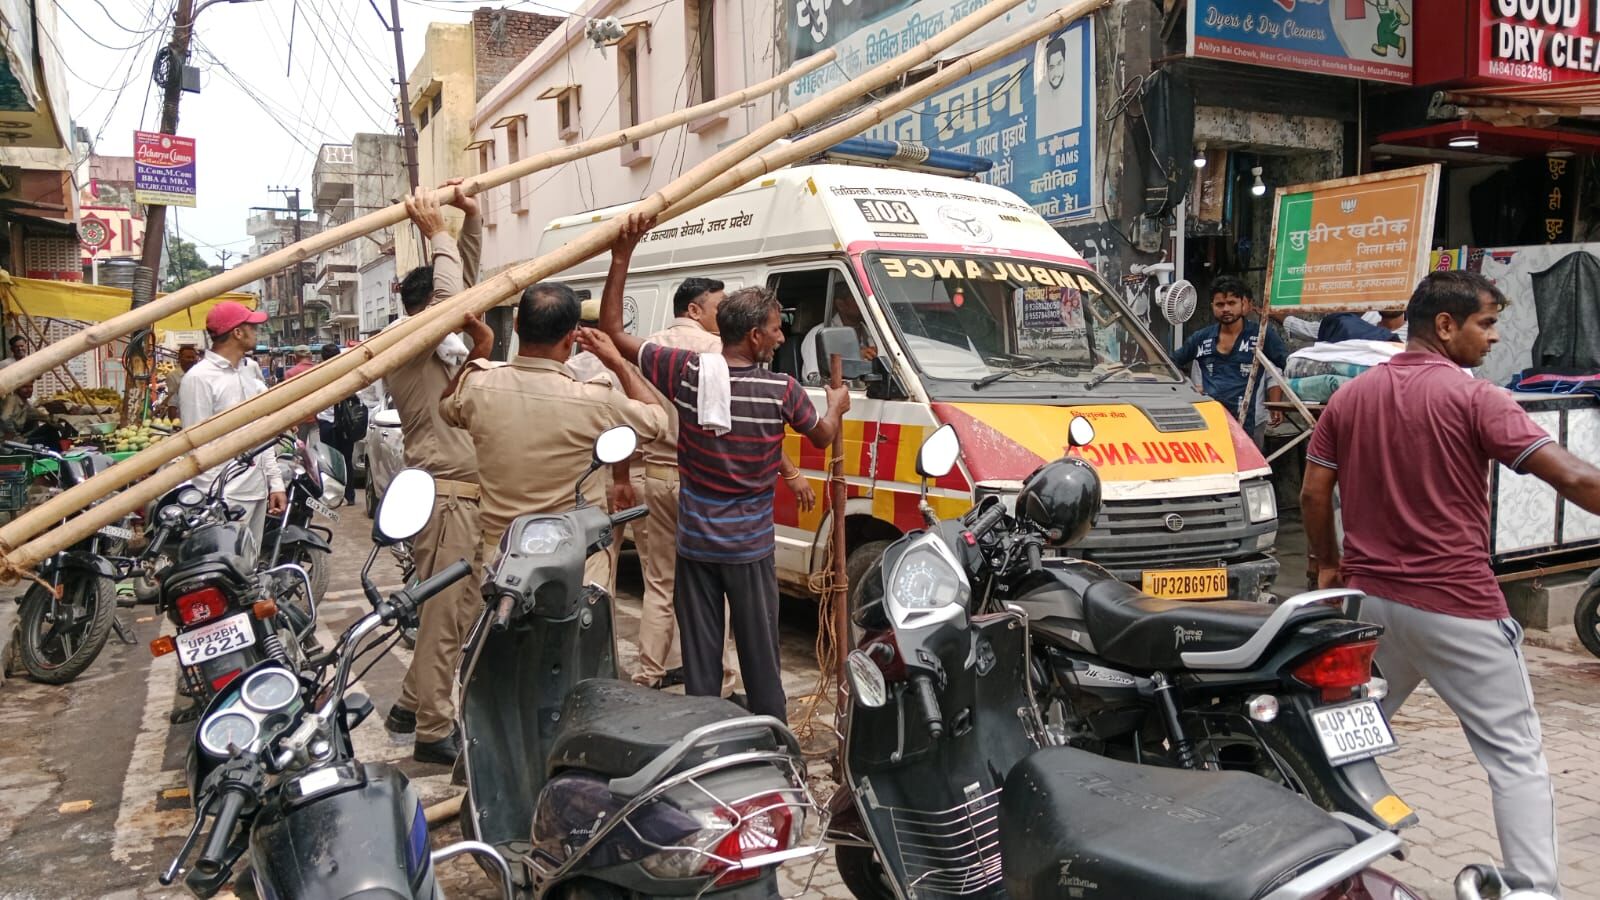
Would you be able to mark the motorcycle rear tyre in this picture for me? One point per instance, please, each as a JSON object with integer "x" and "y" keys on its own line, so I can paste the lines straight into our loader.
{"x": 1277, "y": 746}
{"x": 862, "y": 873}
{"x": 99, "y": 594}
{"x": 1586, "y": 619}
{"x": 316, "y": 563}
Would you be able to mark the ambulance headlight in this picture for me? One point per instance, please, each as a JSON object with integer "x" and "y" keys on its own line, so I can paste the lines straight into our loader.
{"x": 1259, "y": 502}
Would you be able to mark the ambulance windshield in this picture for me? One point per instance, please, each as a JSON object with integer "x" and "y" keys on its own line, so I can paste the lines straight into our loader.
{"x": 986, "y": 320}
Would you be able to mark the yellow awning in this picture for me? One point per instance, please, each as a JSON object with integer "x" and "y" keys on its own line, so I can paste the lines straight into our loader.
{"x": 96, "y": 303}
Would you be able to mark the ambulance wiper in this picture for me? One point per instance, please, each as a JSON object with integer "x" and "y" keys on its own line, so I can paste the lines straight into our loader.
{"x": 1106, "y": 376}
{"x": 1033, "y": 366}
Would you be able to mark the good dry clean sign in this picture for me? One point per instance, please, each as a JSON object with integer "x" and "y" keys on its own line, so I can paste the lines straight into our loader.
{"x": 1352, "y": 243}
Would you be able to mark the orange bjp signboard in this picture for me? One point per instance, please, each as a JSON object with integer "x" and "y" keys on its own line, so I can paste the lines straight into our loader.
{"x": 1352, "y": 243}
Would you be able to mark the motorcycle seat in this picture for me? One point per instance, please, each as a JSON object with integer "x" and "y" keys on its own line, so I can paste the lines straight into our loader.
{"x": 221, "y": 567}
{"x": 614, "y": 728}
{"x": 1074, "y": 823}
{"x": 1137, "y": 631}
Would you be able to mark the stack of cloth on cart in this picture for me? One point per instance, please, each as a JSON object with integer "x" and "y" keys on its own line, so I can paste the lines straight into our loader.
{"x": 1317, "y": 371}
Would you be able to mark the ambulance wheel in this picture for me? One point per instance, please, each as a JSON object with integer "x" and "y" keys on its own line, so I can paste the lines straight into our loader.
{"x": 857, "y": 566}
{"x": 1586, "y": 619}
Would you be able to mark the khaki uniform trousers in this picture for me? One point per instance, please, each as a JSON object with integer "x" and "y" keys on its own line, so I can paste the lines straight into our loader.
{"x": 659, "y": 647}
{"x": 445, "y": 619}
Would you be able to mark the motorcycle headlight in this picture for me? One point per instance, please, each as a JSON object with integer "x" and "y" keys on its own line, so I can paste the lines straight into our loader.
{"x": 927, "y": 578}
{"x": 542, "y": 536}
{"x": 1259, "y": 502}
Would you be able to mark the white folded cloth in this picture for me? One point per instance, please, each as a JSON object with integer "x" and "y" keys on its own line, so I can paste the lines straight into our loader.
{"x": 716, "y": 413}
{"x": 452, "y": 350}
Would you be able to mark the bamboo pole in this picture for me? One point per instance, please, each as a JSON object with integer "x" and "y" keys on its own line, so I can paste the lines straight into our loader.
{"x": 99, "y": 334}
{"x": 247, "y": 424}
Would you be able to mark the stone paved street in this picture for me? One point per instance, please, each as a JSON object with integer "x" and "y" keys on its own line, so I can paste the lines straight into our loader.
{"x": 86, "y": 770}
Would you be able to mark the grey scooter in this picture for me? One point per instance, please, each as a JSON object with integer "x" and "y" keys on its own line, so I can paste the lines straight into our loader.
{"x": 594, "y": 787}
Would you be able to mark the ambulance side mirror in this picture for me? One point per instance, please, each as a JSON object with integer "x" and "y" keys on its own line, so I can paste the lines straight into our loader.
{"x": 841, "y": 341}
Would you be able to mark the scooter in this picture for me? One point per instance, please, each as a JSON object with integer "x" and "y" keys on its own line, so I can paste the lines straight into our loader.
{"x": 946, "y": 795}
{"x": 1284, "y": 691}
{"x": 593, "y": 787}
{"x": 277, "y": 780}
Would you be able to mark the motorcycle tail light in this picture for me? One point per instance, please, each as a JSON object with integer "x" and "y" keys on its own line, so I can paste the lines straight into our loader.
{"x": 1338, "y": 670}
{"x": 225, "y": 679}
{"x": 202, "y": 605}
{"x": 765, "y": 825}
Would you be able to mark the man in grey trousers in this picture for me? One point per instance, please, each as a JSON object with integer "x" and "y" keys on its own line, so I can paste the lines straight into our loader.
{"x": 1410, "y": 444}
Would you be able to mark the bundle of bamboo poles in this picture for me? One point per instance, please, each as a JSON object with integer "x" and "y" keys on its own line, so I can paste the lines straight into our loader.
{"x": 246, "y": 425}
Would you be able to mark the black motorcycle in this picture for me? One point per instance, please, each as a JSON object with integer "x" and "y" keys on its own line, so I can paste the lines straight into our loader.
{"x": 314, "y": 479}
{"x": 65, "y": 626}
{"x": 1284, "y": 691}
{"x": 277, "y": 779}
{"x": 231, "y": 610}
{"x": 593, "y": 787}
{"x": 946, "y": 795}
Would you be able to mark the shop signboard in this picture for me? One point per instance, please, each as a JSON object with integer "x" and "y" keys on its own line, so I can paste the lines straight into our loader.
{"x": 163, "y": 169}
{"x": 1536, "y": 41}
{"x": 1352, "y": 243}
{"x": 1369, "y": 39}
{"x": 1032, "y": 113}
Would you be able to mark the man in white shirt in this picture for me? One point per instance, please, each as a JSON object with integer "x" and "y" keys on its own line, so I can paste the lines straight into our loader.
{"x": 845, "y": 314}
{"x": 220, "y": 381}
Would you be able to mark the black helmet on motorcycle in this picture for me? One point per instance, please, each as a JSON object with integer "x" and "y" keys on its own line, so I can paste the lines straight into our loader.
{"x": 1061, "y": 497}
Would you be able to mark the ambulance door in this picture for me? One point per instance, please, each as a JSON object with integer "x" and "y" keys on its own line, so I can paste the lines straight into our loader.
{"x": 807, "y": 292}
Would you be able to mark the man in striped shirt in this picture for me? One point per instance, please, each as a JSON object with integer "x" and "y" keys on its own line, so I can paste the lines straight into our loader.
{"x": 726, "y": 478}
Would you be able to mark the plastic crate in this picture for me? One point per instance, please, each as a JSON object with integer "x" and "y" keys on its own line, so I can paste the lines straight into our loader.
{"x": 16, "y": 474}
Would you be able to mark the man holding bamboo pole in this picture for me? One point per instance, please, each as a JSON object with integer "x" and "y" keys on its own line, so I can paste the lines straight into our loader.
{"x": 425, "y": 705}
{"x": 732, "y": 414}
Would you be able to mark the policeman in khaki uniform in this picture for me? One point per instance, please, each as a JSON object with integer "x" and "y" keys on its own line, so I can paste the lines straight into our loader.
{"x": 623, "y": 482}
{"x": 426, "y": 705}
{"x": 532, "y": 422}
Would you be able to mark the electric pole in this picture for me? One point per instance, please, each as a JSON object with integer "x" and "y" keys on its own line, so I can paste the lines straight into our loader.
{"x": 408, "y": 133}
{"x": 292, "y": 197}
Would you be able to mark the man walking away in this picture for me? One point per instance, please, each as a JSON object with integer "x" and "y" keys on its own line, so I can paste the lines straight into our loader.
{"x": 731, "y": 418}
{"x": 426, "y": 705}
{"x": 220, "y": 381}
{"x": 1227, "y": 349}
{"x": 1409, "y": 445}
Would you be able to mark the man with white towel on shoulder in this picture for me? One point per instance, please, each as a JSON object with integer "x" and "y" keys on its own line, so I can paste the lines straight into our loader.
{"x": 731, "y": 418}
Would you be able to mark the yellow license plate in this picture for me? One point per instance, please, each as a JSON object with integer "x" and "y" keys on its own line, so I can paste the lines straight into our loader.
{"x": 1187, "y": 584}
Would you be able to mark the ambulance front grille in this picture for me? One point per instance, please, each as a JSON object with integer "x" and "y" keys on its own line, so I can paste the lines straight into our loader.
{"x": 1137, "y": 533}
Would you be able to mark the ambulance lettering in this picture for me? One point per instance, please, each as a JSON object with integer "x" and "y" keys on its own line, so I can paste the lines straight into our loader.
{"x": 1148, "y": 453}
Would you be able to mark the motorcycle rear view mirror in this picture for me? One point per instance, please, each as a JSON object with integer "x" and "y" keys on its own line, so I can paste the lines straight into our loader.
{"x": 844, "y": 343}
{"x": 1080, "y": 432}
{"x": 406, "y": 507}
{"x": 939, "y": 453}
{"x": 866, "y": 680}
{"x": 615, "y": 445}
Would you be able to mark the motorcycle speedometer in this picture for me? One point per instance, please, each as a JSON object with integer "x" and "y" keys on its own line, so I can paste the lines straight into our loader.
{"x": 191, "y": 496}
{"x": 222, "y": 734}
{"x": 170, "y": 515}
{"x": 270, "y": 690}
{"x": 542, "y": 536}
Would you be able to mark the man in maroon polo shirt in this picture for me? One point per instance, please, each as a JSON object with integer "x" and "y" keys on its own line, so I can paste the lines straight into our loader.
{"x": 1409, "y": 445}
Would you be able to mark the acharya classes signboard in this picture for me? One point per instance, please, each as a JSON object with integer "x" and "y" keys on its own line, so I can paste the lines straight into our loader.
{"x": 1509, "y": 41}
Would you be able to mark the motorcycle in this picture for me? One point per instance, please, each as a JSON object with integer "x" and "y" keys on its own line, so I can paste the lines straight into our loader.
{"x": 945, "y": 793}
{"x": 65, "y": 626}
{"x": 1285, "y": 691}
{"x": 230, "y": 609}
{"x": 278, "y": 781}
{"x": 591, "y": 786}
{"x": 314, "y": 479}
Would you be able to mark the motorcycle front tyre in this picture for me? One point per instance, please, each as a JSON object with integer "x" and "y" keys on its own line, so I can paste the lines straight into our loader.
{"x": 99, "y": 595}
{"x": 862, "y": 873}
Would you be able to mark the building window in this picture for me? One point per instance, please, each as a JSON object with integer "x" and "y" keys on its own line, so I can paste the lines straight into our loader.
{"x": 700, "y": 26}
{"x": 438, "y": 101}
{"x": 567, "y": 115}
{"x": 628, "y": 83}
{"x": 516, "y": 128}
{"x": 485, "y": 150}
{"x": 422, "y": 119}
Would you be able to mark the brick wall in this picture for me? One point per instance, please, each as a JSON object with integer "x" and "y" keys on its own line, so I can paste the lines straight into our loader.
{"x": 501, "y": 38}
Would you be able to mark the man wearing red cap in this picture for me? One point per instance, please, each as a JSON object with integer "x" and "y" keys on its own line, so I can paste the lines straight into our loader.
{"x": 220, "y": 381}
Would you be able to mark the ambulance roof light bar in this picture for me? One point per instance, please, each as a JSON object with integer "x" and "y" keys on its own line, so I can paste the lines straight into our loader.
{"x": 904, "y": 155}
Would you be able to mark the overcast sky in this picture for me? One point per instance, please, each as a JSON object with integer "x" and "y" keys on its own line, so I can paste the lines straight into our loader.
{"x": 340, "y": 82}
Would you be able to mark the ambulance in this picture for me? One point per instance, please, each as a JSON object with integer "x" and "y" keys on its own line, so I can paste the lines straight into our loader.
{"x": 974, "y": 312}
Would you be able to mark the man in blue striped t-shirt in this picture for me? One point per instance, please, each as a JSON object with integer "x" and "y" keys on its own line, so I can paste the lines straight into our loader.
{"x": 726, "y": 477}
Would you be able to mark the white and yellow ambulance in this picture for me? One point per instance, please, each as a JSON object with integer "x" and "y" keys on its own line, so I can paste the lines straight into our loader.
{"x": 979, "y": 315}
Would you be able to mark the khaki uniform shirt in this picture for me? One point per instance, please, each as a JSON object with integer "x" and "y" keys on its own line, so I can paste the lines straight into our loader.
{"x": 417, "y": 383}
{"x": 534, "y": 426}
{"x": 687, "y": 334}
